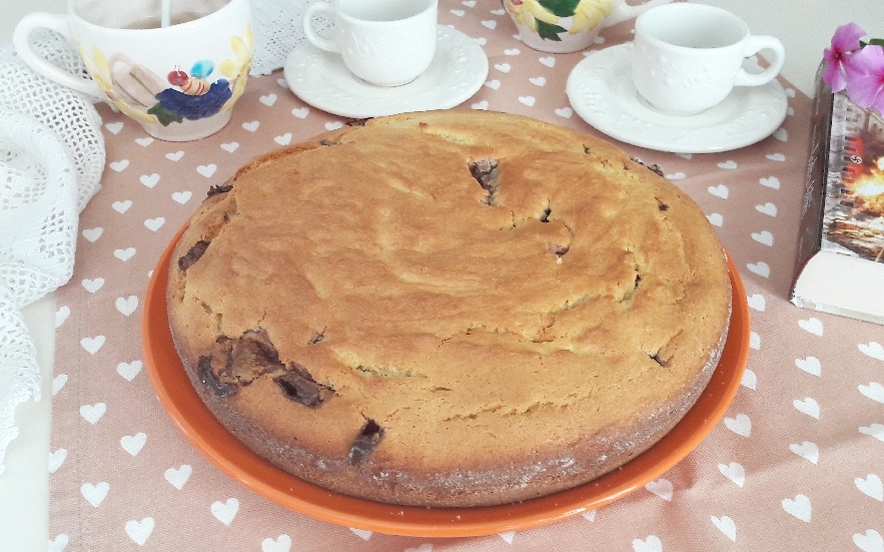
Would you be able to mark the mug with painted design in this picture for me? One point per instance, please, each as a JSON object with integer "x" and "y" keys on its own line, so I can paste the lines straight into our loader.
{"x": 177, "y": 67}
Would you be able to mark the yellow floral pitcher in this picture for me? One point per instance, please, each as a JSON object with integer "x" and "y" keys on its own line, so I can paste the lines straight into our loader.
{"x": 562, "y": 26}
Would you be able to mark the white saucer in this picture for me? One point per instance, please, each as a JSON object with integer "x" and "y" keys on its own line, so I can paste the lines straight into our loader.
{"x": 320, "y": 78}
{"x": 600, "y": 90}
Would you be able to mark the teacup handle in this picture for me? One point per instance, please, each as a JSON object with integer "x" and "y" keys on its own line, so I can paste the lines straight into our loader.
{"x": 754, "y": 45}
{"x": 54, "y": 22}
{"x": 624, "y": 12}
{"x": 320, "y": 8}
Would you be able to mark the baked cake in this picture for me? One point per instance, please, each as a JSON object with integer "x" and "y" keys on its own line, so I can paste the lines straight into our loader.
{"x": 456, "y": 308}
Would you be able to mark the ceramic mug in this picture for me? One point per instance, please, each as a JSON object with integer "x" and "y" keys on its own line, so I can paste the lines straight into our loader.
{"x": 179, "y": 81}
{"x": 688, "y": 57}
{"x": 563, "y": 27}
{"x": 383, "y": 42}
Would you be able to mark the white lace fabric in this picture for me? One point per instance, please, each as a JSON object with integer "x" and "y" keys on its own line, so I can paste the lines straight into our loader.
{"x": 278, "y": 30}
{"x": 51, "y": 159}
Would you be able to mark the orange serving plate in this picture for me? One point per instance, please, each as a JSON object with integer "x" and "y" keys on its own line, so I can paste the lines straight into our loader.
{"x": 205, "y": 432}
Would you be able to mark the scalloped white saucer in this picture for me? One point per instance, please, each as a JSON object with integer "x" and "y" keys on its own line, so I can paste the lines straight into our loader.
{"x": 600, "y": 90}
{"x": 320, "y": 78}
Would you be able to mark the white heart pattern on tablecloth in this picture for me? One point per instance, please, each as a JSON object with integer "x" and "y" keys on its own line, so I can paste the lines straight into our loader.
{"x": 770, "y": 182}
{"x": 124, "y": 254}
{"x": 650, "y": 544}
{"x": 56, "y": 459}
{"x": 873, "y": 390}
{"x": 121, "y": 206}
{"x": 92, "y": 234}
{"x": 119, "y": 166}
{"x": 182, "y": 197}
{"x": 177, "y": 477}
{"x": 768, "y": 209}
{"x": 92, "y": 284}
{"x": 126, "y": 305}
{"x": 129, "y": 369}
{"x": 207, "y": 170}
{"x": 58, "y": 383}
{"x": 872, "y": 349}
{"x": 754, "y": 340}
{"x": 811, "y": 365}
{"x": 871, "y": 486}
{"x": 749, "y": 379}
{"x": 61, "y": 315}
{"x": 59, "y": 543}
{"x": 92, "y": 344}
{"x": 811, "y": 325}
{"x": 764, "y": 237}
{"x": 757, "y": 302}
{"x": 798, "y": 507}
{"x": 662, "y": 488}
{"x": 225, "y": 511}
{"x": 139, "y": 531}
{"x": 715, "y": 219}
{"x": 154, "y": 224}
{"x": 808, "y": 406}
{"x": 739, "y": 424}
{"x": 807, "y": 450}
{"x": 760, "y": 268}
{"x": 133, "y": 443}
{"x": 149, "y": 180}
{"x": 727, "y": 526}
{"x": 93, "y": 412}
{"x": 870, "y": 541}
{"x": 874, "y": 430}
{"x": 282, "y": 543}
{"x": 95, "y": 494}
{"x": 719, "y": 191}
{"x": 735, "y": 472}
{"x": 361, "y": 533}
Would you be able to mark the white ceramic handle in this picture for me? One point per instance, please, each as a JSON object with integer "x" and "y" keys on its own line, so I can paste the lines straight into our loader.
{"x": 55, "y": 22}
{"x": 320, "y": 8}
{"x": 754, "y": 45}
{"x": 623, "y": 11}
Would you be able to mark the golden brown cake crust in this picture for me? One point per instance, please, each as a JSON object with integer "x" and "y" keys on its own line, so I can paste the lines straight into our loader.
{"x": 449, "y": 308}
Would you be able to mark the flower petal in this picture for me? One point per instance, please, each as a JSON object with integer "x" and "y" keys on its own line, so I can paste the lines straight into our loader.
{"x": 834, "y": 77}
{"x": 868, "y": 60}
{"x": 865, "y": 75}
{"x": 846, "y": 37}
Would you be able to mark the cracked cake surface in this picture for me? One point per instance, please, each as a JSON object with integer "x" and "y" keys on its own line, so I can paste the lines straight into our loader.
{"x": 449, "y": 308}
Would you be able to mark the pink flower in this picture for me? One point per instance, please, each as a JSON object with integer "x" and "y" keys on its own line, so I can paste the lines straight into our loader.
{"x": 865, "y": 75}
{"x": 839, "y": 57}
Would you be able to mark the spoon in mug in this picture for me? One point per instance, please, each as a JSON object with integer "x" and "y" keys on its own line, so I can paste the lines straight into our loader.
{"x": 166, "y": 17}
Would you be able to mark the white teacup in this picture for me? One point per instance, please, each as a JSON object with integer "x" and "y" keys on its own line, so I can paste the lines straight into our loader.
{"x": 688, "y": 57}
{"x": 569, "y": 27}
{"x": 383, "y": 42}
{"x": 179, "y": 82}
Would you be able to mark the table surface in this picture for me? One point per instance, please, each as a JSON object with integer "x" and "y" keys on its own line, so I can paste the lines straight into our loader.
{"x": 24, "y": 488}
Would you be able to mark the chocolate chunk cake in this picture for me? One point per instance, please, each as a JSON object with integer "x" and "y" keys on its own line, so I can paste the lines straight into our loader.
{"x": 456, "y": 308}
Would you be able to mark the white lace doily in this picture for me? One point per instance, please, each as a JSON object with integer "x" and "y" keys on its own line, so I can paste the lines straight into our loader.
{"x": 38, "y": 222}
{"x": 278, "y": 29}
{"x": 51, "y": 159}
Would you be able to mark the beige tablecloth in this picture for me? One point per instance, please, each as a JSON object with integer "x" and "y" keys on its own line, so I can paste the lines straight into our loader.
{"x": 796, "y": 463}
